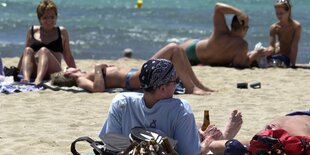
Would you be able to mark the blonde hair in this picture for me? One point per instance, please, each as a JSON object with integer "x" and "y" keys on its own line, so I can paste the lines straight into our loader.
{"x": 59, "y": 79}
{"x": 46, "y": 5}
{"x": 285, "y": 4}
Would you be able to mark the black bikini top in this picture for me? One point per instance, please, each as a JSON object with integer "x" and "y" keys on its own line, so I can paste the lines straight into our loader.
{"x": 55, "y": 46}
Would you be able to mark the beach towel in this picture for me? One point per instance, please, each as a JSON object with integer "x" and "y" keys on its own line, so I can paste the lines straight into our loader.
{"x": 75, "y": 89}
{"x": 17, "y": 87}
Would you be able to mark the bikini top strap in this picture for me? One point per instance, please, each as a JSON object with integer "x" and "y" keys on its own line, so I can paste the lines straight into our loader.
{"x": 59, "y": 32}
{"x": 32, "y": 31}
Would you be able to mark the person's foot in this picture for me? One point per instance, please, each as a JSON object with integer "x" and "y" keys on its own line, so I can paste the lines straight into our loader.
{"x": 209, "y": 90}
{"x": 233, "y": 125}
{"x": 197, "y": 91}
{"x": 208, "y": 136}
{"x": 24, "y": 80}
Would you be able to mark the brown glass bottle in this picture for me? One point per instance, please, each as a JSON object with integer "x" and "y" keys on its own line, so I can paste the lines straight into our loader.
{"x": 129, "y": 148}
{"x": 166, "y": 145}
{"x": 206, "y": 120}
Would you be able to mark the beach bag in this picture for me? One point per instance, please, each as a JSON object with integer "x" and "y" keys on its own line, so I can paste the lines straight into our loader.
{"x": 111, "y": 144}
{"x": 12, "y": 71}
{"x": 279, "y": 142}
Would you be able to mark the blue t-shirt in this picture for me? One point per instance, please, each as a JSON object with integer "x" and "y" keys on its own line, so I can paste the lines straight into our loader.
{"x": 172, "y": 116}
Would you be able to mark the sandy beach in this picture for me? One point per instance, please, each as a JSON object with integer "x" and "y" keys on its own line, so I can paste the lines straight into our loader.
{"x": 46, "y": 122}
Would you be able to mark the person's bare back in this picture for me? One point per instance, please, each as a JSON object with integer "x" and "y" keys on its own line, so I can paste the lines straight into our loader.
{"x": 221, "y": 50}
{"x": 225, "y": 46}
{"x": 297, "y": 125}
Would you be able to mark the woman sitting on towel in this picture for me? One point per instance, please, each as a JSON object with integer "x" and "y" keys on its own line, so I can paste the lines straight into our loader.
{"x": 107, "y": 76}
{"x": 46, "y": 44}
{"x": 288, "y": 32}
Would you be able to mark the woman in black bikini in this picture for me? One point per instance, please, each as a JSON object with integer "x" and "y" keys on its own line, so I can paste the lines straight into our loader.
{"x": 46, "y": 44}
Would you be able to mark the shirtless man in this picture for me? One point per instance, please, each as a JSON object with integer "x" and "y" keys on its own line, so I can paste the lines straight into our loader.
{"x": 224, "y": 47}
{"x": 296, "y": 124}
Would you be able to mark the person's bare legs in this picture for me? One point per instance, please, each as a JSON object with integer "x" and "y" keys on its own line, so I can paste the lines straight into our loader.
{"x": 47, "y": 64}
{"x": 172, "y": 53}
{"x": 208, "y": 136}
{"x": 233, "y": 125}
{"x": 28, "y": 64}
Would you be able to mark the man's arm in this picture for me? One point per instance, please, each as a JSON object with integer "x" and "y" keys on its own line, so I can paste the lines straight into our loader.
{"x": 220, "y": 25}
{"x": 68, "y": 57}
{"x": 98, "y": 84}
{"x": 187, "y": 135}
{"x": 272, "y": 40}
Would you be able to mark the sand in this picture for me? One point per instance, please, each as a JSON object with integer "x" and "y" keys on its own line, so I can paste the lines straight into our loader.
{"x": 46, "y": 122}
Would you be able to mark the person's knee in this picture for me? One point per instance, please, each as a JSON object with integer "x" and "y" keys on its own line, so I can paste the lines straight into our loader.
{"x": 173, "y": 47}
{"x": 28, "y": 51}
{"x": 43, "y": 51}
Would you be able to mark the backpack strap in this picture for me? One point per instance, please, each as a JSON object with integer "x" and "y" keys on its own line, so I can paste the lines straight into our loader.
{"x": 97, "y": 145}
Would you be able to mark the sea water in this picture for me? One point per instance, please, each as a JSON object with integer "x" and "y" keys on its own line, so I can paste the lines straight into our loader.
{"x": 102, "y": 29}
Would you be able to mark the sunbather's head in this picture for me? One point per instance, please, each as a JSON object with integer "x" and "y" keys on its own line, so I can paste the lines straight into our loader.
{"x": 283, "y": 9}
{"x": 239, "y": 26}
{"x": 46, "y": 5}
{"x": 59, "y": 79}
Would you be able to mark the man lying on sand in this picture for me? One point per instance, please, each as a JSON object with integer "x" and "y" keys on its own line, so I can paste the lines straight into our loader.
{"x": 108, "y": 76}
{"x": 295, "y": 124}
{"x": 225, "y": 47}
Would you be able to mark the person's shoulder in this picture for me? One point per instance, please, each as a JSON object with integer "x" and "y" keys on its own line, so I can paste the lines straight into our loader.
{"x": 62, "y": 28}
{"x": 123, "y": 99}
{"x": 34, "y": 28}
{"x": 296, "y": 24}
{"x": 128, "y": 96}
{"x": 179, "y": 104}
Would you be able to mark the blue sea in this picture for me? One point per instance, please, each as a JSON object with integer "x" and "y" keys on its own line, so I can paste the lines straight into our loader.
{"x": 102, "y": 29}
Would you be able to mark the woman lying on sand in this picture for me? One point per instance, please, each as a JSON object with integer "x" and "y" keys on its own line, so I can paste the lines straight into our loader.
{"x": 108, "y": 76}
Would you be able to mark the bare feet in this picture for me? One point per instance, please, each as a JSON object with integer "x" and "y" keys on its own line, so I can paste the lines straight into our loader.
{"x": 233, "y": 125}
{"x": 198, "y": 91}
{"x": 24, "y": 80}
{"x": 208, "y": 136}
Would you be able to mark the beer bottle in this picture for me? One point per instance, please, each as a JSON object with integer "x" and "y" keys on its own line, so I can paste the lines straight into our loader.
{"x": 166, "y": 145}
{"x": 129, "y": 148}
{"x": 206, "y": 120}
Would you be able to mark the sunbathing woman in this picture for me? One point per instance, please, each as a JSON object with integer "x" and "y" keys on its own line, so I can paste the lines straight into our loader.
{"x": 46, "y": 44}
{"x": 107, "y": 76}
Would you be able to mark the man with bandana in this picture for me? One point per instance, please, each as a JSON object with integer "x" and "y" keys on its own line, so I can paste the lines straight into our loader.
{"x": 156, "y": 108}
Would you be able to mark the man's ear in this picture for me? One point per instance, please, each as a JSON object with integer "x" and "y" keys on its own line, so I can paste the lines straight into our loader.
{"x": 242, "y": 22}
